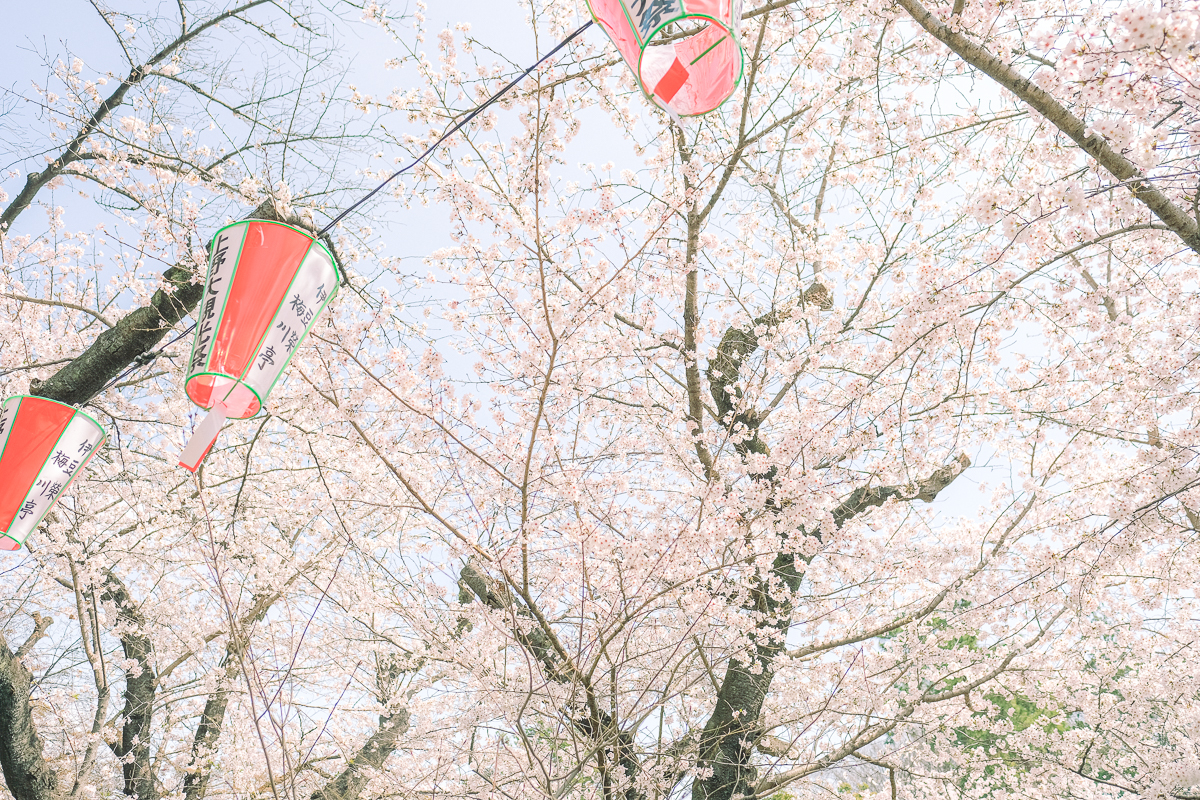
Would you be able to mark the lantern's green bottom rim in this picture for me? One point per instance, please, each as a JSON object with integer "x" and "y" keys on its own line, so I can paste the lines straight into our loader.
{"x": 187, "y": 388}
{"x": 19, "y": 544}
{"x": 650, "y": 43}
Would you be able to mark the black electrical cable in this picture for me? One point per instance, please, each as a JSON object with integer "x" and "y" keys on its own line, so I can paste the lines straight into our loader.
{"x": 148, "y": 357}
{"x": 456, "y": 127}
{"x": 143, "y": 360}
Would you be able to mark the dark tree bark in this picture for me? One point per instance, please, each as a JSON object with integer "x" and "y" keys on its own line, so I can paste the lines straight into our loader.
{"x": 131, "y": 338}
{"x": 137, "y": 766}
{"x": 350, "y": 782}
{"x": 727, "y": 743}
{"x": 617, "y": 745}
{"x": 26, "y": 772}
{"x": 212, "y": 720}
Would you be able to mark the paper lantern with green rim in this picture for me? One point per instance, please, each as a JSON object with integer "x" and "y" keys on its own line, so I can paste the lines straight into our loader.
{"x": 44, "y": 445}
{"x": 267, "y": 285}
{"x": 685, "y": 53}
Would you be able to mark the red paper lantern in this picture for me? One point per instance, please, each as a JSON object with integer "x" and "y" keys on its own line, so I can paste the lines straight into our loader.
{"x": 685, "y": 53}
{"x": 44, "y": 445}
{"x": 267, "y": 285}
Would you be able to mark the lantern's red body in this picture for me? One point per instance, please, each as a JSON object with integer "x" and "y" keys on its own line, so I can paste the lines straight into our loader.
{"x": 44, "y": 445}
{"x": 685, "y": 53}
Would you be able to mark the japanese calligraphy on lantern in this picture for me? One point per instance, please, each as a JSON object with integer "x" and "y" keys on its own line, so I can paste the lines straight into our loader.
{"x": 305, "y": 299}
{"x": 221, "y": 265}
{"x": 649, "y": 14}
{"x": 7, "y": 412}
{"x": 44, "y": 445}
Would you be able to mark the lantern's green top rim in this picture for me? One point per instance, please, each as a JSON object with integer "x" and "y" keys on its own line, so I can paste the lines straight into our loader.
{"x": 93, "y": 420}
{"x": 307, "y": 234}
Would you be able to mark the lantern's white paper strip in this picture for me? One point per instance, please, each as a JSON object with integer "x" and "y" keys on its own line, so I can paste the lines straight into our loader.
{"x": 656, "y": 61}
{"x": 76, "y": 445}
{"x": 314, "y": 282}
{"x": 203, "y": 438}
{"x": 8, "y": 413}
{"x": 221, "y": 266}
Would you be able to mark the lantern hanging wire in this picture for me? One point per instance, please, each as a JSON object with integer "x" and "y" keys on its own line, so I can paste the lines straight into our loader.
{"x": 146, "y": 358}
{"x": 456, "y": 127}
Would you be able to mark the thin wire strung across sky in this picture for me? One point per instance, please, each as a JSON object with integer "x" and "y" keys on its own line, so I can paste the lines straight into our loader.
{"x": 456, "y": 127}
{"x": 146, "y": 358}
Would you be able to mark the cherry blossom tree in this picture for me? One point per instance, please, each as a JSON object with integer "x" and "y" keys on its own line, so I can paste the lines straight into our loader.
{"x": 159, "y": 149}
{"x": 839, "y": 442}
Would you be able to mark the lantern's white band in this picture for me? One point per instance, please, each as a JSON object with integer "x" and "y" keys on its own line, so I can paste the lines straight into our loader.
{"x": 203, "y": 438}
{"x": 315, "y": 280}
{"x": 8, "y": 413}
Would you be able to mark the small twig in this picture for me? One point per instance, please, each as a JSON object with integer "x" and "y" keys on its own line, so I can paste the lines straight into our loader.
{"x": 57, "y": 303}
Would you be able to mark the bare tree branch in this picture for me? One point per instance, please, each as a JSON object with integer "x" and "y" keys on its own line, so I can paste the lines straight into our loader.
{"x": 1096, "y": 146}
{"x": 58, "y": 304}
{"x": 71, "y": 153}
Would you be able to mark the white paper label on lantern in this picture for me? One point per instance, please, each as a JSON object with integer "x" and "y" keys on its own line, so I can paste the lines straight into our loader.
{"x": 310, "y": 291}
{"x": 74, "y": 449}
{"x": 8, "y": 412}
{"x": 222, "y": 265}
{"x": 656, "y": 63}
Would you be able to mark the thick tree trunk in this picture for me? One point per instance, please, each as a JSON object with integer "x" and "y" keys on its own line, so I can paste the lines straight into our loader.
{"x": 348, "y": 785}
{"x": 727, "y": 743}
{"x": 26, "y": 773}
{"x": 735, "y": 726}
{"x": 212, "y": 720}
{"x": 141, "y": 684}
{"x": 733, "y": 730}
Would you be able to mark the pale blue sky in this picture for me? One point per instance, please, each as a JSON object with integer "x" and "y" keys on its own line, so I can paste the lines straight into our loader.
{"x": 62, "y": 27}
